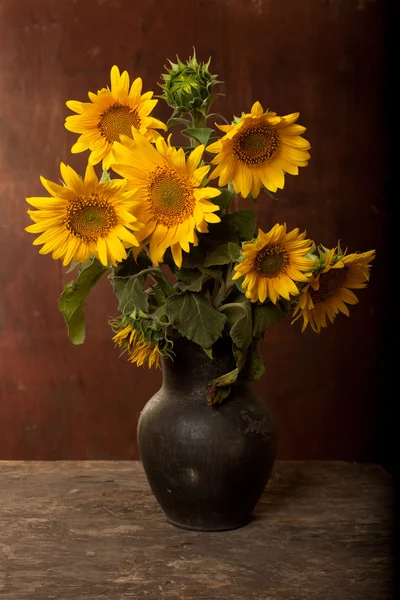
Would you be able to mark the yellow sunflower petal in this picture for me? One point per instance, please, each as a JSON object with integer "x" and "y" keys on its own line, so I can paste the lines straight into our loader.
{"x": 257, "y": 110}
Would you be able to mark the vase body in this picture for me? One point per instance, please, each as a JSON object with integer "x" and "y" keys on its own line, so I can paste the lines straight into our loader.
{"x": 206, "y": 465}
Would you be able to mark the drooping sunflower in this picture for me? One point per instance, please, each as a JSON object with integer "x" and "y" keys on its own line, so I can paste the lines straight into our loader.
{"x": 85, "y": 217}
{"x": 171, "y": 203}
{"x": 258, "y": 150}
{"x": 139, "y": 349}
{"x": 110, "y": 114}
{"x": 273, "y": 263}
{"x": 329, "y": 290}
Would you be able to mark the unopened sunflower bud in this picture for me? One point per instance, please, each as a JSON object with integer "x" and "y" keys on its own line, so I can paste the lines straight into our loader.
{"x": 187, "y": 87}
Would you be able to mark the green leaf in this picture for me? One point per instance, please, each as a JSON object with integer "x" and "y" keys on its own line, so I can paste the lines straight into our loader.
{"x": 220, "y": 388}
{"x": 72, "y": 266}
{"x": 130, "y": 289}
{"x": 177, "y": 121}
{"x": 265, "y": 316}
{"x": 255, "y": 365}
{"x": 195, "y": 318}
{"x": 217, "y": 115}
{"x": 239, "y": 318}
{"x": 192, "y": 279}
{"x": 209, "y": 353}
{"x": 162, "y": 282}
{"x": 223, "y": 255}
{"x": 238, "y": 283}
{"x": 72, "y": 301}
{"x": 218, "y": 233}
{"x": 244, "y": 221}
{"x": 104, "y": 176}
{"x": 129, "y": 266}
{"x": 201, "y": 135}
{"x": 158, "y": 296}
{"x": 130, "y": 293}
{"x": 157, "y": 316}
{"x": 224, "y": 199}
{"x": 240, "y": 356}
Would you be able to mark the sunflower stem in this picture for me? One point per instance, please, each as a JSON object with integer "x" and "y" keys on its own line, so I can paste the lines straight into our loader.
{"x": 230, "y": 305}
{"x": 234, "y": 197}
{"x": 216, "y": 296}
{"x": 198, "y": 122}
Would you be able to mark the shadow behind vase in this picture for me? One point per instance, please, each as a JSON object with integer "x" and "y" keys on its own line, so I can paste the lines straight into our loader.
{"x": 207, "y": 465}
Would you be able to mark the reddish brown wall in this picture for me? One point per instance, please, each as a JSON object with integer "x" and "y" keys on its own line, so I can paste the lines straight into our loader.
{"x": 323, "y": 58}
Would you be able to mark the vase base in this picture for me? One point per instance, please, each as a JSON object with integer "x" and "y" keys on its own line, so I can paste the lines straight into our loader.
{"x": 210, "y": 529}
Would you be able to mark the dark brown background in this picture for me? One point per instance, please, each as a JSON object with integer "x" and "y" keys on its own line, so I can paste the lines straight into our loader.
{"x": 324, "y": 58}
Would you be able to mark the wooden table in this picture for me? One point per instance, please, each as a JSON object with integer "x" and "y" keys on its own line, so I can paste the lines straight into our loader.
{"x": 93, "y": 530}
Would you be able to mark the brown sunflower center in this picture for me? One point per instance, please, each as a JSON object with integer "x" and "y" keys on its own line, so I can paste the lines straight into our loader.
{"x": 171, "y": 197}
{"x": 117, "y": 120}
{"x": 89, "y": 217}
{"x": 271, "y": 261}
{"x": 255, "y": 145}
{"x": 328, "y": 283}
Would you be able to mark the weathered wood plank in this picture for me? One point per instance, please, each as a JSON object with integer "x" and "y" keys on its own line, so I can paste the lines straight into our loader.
{"x": 91, "y": 530}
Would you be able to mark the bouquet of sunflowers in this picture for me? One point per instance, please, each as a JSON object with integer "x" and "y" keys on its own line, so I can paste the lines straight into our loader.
{"x": 181, "y": 260}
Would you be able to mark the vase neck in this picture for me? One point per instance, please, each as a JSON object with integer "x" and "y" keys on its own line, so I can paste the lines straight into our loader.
{"x": 191, "y": 370}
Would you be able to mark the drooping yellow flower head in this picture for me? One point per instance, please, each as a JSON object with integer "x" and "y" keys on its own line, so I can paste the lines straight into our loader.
{"x": 85, "y": 217}
{"x": 140, "y": 350}
{"x": 171, "y": 203}
{"x": 273, "y": 263}
{"x": 258, "y": 150}
{"x": 329, "y": 290}
{"x": 110, "y": 114}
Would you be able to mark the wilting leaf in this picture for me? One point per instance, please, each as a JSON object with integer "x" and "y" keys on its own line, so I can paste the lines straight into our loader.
{"x": 72, "y": 301}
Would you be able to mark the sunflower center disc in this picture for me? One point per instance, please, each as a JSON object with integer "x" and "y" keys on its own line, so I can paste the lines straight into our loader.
{"x": 255, "y": 145}
{"x": 328, "y": 284}
{"x": 118, "y": 120}
{"x": 171, "y": 197}
{"x": 89, "y": 218}
{"x": 271, "y": 261}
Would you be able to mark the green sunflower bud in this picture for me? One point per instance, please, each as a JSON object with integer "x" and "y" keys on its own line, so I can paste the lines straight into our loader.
{"x": 187, "y": 87}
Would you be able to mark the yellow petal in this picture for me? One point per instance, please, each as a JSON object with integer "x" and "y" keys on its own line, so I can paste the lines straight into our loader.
{"x": 136, "y": 88}
{"x": 257, "y": 110}
{"x": 194, "y": 158}
{"x": 177, "y": 254}
{"x": 91, "y": 180}
{"x": 72, "y": 179}
{"x": 215, "y": 147}
{"x": 115, "y": 77}
{"x": 211, "y": 217}
{"x": 224, "y": 128}
{"x": 77, "y": 107}
{"x": 102, "y": 251}
{"x": 59, "y": 191}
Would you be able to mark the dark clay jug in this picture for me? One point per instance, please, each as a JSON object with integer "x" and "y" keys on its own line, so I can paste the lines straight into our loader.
{"x": 207, "y": 465}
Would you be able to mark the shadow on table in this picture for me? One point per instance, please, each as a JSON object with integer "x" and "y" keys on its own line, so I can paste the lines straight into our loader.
{"x": 285, "y": 486}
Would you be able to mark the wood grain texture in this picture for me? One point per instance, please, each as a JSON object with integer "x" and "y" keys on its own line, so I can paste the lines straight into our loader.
{"x": 322, "y": 58}
{"x": 91, "y": 530}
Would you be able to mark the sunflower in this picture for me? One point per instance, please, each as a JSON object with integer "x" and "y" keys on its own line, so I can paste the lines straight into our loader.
{"x": 258, "y": 149}
{"x": 170, "y": 202}
{"x": 273, "y": 263}
{"x": 110, "y": 114}
{"x": 329, "y": 290}
{"x": 83, "y": 218}
{"x": 139, "y": 349}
